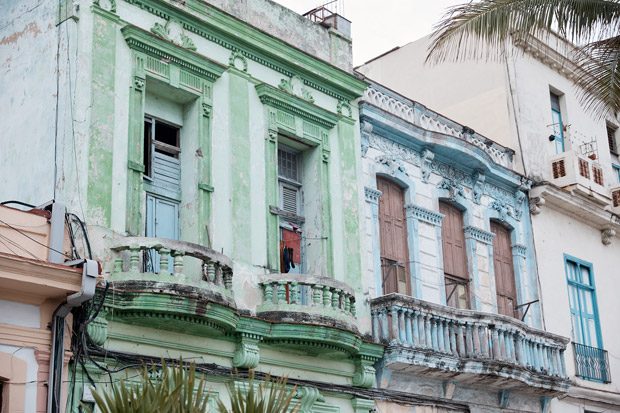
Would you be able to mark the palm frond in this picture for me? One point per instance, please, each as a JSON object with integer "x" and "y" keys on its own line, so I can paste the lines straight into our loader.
{"x": 599, "y": 75}
{"x": 481, "y": 29}
{"x": 270, "y": 396}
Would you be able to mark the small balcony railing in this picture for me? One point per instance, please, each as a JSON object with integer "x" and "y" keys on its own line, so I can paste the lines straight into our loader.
{"x": 159, "y": 259}
{"x": 308, "y": 299}
{"x": 466, "y": 341}
{"x": 591, "y": 363}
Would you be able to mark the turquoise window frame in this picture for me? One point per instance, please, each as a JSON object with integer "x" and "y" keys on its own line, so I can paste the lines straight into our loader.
{"x": 557, "y": 123}
{"x": 617, "y": 171}
{"x": 589, "y": 288}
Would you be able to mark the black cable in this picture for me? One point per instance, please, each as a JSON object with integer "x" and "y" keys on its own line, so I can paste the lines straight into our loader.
{"x": 84, "y": 233}
{"x": 18, "y": 203}
{"x": 34, "y": 240}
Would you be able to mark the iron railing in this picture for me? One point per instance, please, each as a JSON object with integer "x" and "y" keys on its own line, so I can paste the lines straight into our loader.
{"x": 591, "y": 363}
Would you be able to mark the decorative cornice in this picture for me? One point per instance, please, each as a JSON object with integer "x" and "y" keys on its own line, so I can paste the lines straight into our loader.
{"x": 372, "y": 195}
{"x": 419, "y": 115}
{"x": 479, "y": 234}
{"x": 548, "y": 55}
{"x": 227, "y": 31}
{"x": 294, "y": 105}
{"x": 423, "y": 214}
{"x": 145, "y": 42}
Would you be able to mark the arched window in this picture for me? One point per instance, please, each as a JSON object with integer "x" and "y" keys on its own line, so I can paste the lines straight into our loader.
{"x": 454, "y": 257}
{"x": 504, "y": 270}
{"x": 393, "y": 227}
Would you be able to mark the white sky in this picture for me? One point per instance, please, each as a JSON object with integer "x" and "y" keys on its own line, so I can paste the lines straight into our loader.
{"x": 381, "y": 25}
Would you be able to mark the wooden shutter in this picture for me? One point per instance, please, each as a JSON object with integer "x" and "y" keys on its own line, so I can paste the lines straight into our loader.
{"x": 504, "y": 271}
{"x": 393, "y": 227}
{"x": 454, "y": 256}
{"x": 453, "y": 237}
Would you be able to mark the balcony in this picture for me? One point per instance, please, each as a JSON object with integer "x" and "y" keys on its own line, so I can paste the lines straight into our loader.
{"x": 155, "y": 280}
{"x": 321, "y": 307}
{"x": 572, "y": 171}
{"x": 467, "y": 346}
{"x": 591, "y": 363}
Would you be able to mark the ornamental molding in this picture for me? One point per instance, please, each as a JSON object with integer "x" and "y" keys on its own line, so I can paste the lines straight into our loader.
{"x": 247, "y": 353}
{"x": 238, "y": 61}
{"x": 372, "y": 195}
{"x": 394, "y": 155}
{"x": 607, "y": 235}
{"x": 366, "y": 131}
{"x": 160, "y": 54}
{"x": 424, "y": 118}
{"x": 173, "y": 31}
{"x": 295, "y": 86}
{"x": 308, "y": 397}
{"x": 220, "y": 28}
{"x": 424, "y": 215}
{"x": 107, "y": 5}
{"x": 479, "y": 234}
{"x": 550, "y": 56}
{"x": 296, "y": 106}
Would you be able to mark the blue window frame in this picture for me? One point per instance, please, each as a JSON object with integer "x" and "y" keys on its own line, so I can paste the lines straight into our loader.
{"x": 617, "y": 172}
{"x": 582, "y": 300}
{"x": 558, "y": 124}
{"x": 590, "y": 359}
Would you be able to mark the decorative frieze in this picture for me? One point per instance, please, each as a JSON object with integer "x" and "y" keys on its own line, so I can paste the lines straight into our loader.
{"x": 424, "y": 215}
{"x": 238, "y": 61}
{"x": 479, "y": 234}
{"x": 295, "y": 86}
{"x": 173, "y": 31}
{"x": 372, "y": 195}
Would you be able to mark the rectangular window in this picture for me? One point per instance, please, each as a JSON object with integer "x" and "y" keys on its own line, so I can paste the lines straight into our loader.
{"x": 557, "y": 123}
{"x": 290, "y": 188}
{"x": 590, "y": 358}
{"x": 454, "y": 256}
{"x": 616, "y": 169}
{"x": 161, "y": 153}
{"x": 611, "y": 138}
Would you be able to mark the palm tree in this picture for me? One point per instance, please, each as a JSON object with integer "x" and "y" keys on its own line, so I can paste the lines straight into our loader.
{"x": 484, "y": 29}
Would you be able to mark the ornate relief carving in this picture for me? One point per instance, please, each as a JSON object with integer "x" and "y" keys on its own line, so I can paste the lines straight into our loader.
{"x": 423, "y": 214}
{"x": 238, "y": 61}
{"x": 372, "y": 195}
{"x": 607, "y": 235}
{"x": 343, "y": 108}
{"x": 479, "y": 234}
{"x": 426, "y": 164}
{"x": 173, "y": 31}
{"x": 109, "y": 5}
{"x": 455, "y": 189}
{"x": 365, "y": 137}
{"x": 394, "y": 149}
{"x": 478, "y": 189}
{"x": 393, "y": 164}
{"x": 138, "y": 83}
{"x": 295, "y": 86}
{"x": 272, "y": 135}
{"x": 206, "y": 109}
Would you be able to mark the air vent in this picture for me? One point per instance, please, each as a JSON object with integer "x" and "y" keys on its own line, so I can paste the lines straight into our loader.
{"x": 584, "y": 169}
{"x": 559, "y": 170}
{"x": 615, "y": 198}
{"x": 598, "y": 175}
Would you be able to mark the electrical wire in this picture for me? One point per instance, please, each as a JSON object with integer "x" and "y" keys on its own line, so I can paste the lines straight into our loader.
{"x": 34, "y": 240}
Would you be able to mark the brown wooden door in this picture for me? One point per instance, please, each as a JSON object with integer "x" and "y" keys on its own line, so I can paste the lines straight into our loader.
{"x": 504, "y": 270}
{"x": 393, "y": 227}
{"x": 454, "y": 256}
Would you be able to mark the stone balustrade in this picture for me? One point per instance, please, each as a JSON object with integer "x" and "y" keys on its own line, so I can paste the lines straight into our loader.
{"x": 304, "y": 298}
{"x": 159, "y": 259}
{"x": 419, "y": 115}
{"x": 467, "y": 341}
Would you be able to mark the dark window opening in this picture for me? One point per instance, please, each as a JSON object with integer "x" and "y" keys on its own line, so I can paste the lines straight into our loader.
{"x": 611, "y": 138}
{"x": 162, "y": 138}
